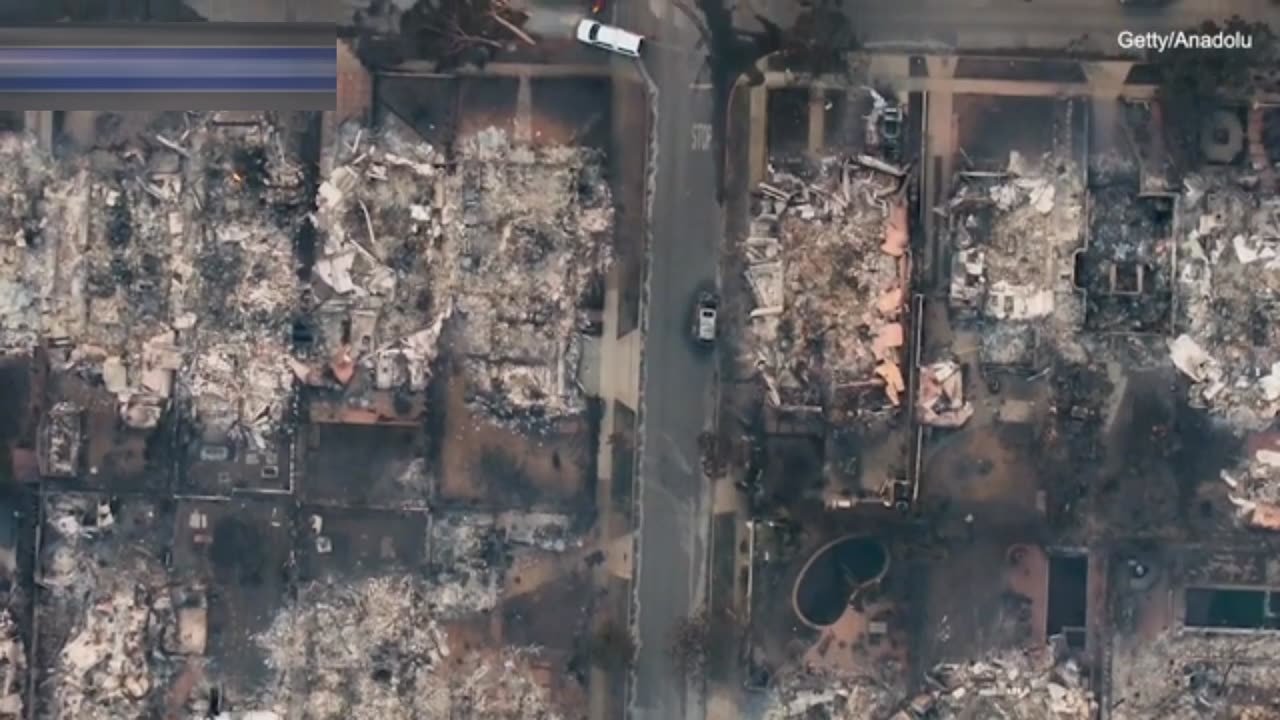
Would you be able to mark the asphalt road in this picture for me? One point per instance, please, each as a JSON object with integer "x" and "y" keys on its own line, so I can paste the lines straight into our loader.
{"x": 685, "y": 230}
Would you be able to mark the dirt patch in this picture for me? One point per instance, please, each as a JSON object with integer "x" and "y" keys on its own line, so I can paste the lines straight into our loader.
{"x": 982, "y": 465}
{"x": 550, "y": 617}
{"x": 428, "y": 105}
{"x": 486, "y": 102}
{"x": 571, "y": 111}
{"x": 366, "y": 465}
{"x": 989, "y": 127}
{"x": 490, "y": 464}
{"x": 790, "y": 461}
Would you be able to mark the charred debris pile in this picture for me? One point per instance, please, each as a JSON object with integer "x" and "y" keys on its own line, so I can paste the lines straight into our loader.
{"x": 828, "y": 264}
{"x": 208, "y": 264}
{"x": 384, "y": 643}
{"x": 1013, "y": 685}
{"x": 162, "y": 269}
{"x": 1014, "y": 235}
{"x": 493, "y": 250}
{"x": 115, "y": 632}
{"x": 1227, "y": 345}
{"x": 122, "y": 633}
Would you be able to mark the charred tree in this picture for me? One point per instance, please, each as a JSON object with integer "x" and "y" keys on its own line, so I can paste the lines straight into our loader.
{"x": 690, "y": 641}
{"x": 612, "y": 647}
{"x": 818, "y": 42}
{"x": 460, "y": 32}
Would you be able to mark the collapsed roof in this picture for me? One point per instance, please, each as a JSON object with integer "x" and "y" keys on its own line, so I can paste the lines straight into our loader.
{"x": 828, "y": 266}
{"x": 496, "y": 248}
{"x": 1011, "y": 684}
{"x": 1015, "y": 234}
{"x": 1229, "y": 297}
{"x": 164, "y": 268}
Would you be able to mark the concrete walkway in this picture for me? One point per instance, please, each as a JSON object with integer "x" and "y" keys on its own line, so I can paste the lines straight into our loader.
{"x": 619, "y": 384}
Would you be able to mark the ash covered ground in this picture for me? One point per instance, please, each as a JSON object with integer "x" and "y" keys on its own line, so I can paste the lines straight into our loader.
{"x": 279, "y": 380}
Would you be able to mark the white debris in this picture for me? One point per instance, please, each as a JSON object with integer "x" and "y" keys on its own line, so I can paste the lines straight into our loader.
{"x": 796, "y": 696}
{"x": 941, "y": 402}
{"x": 1015, "y": 237}
{"x": 546, "y": 531}
{"x": 115, "y": 611}
{"x": 826, "y": 259}
{"x": 1228, "y": 286}
{"x": 13, "y": 668}
{"x": 1193, "y": 361}
{"x": 1270, "y": 383}
{"x": 498, "y": 247}
{"x": 376, "y": 649}
{"x": 1015, "y": 686}
{"x": 1012, "y": 686}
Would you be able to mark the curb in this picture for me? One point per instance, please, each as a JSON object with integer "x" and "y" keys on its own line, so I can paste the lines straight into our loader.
{"x": 637, "y": 486}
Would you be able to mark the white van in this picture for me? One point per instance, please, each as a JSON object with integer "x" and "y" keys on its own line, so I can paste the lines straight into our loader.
{"x": 609, "y": 38}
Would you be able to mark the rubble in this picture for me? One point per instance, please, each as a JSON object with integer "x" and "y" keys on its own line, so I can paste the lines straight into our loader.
{"x": 13, "y": 668}
{"x": 378, "y": 649}
{"x": 1181, "y": 675}
{"x": 166, "y": 269}
{"x": 941, "y": 402}
{"x": 828, "y": 266}
{"x": 1228, "y": 293}
{"x": 810, "y": 694}
{"x": 469, "y": 554}
{"x": 495, "y": 248}
{"x": 1014, "y": 236}
{"x": 114, "y": 612}
{"x": 1254, "y": 482}
{"x": 109, "y": 263}
{"x": 1012, "y": 685}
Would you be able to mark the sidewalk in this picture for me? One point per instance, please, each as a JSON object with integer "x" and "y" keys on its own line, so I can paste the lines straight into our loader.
{"x": 619, "y": 387}
{"x": 745, "y": 165}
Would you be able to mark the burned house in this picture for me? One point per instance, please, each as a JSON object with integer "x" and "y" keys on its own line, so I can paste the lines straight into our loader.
{"x": 150, "y": 306}
{"x": 1014, "y": 237}
{"x": 1226, "y": 346}
{"x": 828, "y": 266}
{"x": 110, "y": 632}
{"x": 489, "y": 252}
{"x": 829, "y": 272}
{"x": 194, "y": 288}
{"x": 1094, "y": 386}
{"x": 58, "y": 441}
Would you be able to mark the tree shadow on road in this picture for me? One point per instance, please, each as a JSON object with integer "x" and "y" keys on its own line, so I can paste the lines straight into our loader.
{"x": 816, "y": 44}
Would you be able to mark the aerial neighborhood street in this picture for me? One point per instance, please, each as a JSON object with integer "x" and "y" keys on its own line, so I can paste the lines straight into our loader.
{"x": 641, "y": 360}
